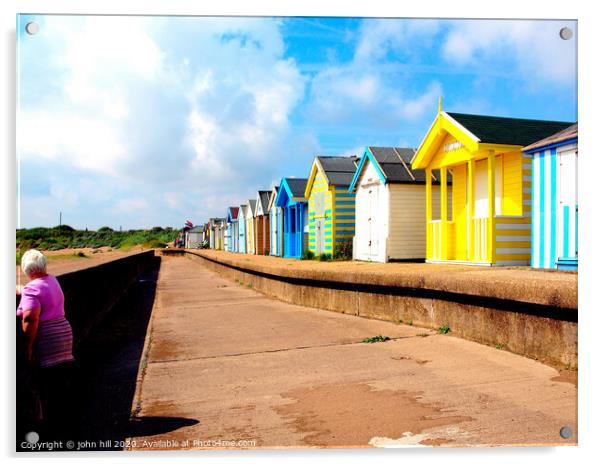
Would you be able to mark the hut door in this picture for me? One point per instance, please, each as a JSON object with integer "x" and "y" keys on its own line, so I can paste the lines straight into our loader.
{"x": 319, "y": 211}
{"x": 319, "y": 236}
{"x": 373, "y": 221}
{"x": 567, "y": 205}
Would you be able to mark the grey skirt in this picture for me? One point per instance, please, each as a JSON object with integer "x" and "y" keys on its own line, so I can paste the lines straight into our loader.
{"x": 54, "y": 342}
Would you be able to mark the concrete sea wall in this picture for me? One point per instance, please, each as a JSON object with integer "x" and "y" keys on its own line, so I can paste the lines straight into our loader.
{"x": 541, "y": 324}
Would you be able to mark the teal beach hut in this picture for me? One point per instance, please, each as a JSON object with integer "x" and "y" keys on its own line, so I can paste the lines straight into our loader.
{"x": 242, "y": 229}
{"x": 291, "y": 198}
{"x": 232, "y": 229}
{"x": 555, "y": 208}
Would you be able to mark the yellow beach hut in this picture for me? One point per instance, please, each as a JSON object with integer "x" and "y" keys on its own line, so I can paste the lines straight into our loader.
{"x": 331, "y": 208}
{"x": 488, "y": 221}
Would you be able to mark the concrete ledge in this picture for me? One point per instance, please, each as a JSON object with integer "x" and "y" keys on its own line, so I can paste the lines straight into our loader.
{"x": 91, "y": 292}
{"x": 533, "y": 313}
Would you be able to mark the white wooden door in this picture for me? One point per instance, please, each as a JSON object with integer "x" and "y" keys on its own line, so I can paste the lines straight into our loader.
{"x": 373, "y": 222}
{"x": 567, "y": 204}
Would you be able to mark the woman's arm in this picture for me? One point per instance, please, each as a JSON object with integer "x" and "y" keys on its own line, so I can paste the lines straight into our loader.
{"x": 31, "y": 319}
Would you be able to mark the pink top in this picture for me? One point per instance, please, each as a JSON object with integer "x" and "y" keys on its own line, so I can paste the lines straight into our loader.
{"x": 45, "y": 293}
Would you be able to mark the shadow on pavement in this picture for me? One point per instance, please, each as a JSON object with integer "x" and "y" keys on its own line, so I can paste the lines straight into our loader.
{"x": 147, "y": 426}
{"x": 107, "y": 370}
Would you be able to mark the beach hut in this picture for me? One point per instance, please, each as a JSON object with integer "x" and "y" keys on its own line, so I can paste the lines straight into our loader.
{"x": 275, "y": 224}
{"x": 216, "y": 233}
{"x": 390, "y": 204}
{"x": 291, "y": 198}
{"x": 250, "y": 221}
{"x": 488, "y": 221}
{"x": 331, "y": 207}
{"x": 261, "y": 225}
{"x": 554, "y": 223}
{"x": 232, "y": 229}
{"x": 242, "y": 228}
{"x": 194, "y": 237}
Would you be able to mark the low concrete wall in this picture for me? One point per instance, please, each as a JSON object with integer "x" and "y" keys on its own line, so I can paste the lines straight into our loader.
{"x": 90, "y": 294}
{"x": 527, "y": 327}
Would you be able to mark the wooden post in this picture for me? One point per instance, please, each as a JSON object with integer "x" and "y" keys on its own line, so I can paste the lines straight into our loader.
{"x": 429, "y": 214}
{"x": 491, "y": 203}
{"x": 443, "y": 192}
{"x": 470, "y": 211}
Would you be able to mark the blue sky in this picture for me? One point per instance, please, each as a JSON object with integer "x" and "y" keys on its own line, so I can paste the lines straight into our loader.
{"x": 144, "y": 121}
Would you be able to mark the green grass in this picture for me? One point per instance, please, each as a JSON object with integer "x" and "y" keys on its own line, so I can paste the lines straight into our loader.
{"x": 153, "y": 244}
{"x": 127, "y": 246}
{"x": 375, "y": 339}
{"x": 50, "y": 239}
{"x": 444, "y": 329}
{"x": 75, "y": 255}
{"x": 499, "y": 346}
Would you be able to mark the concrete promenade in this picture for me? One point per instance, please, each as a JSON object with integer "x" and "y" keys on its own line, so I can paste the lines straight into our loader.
{"x": 241, "y": 370}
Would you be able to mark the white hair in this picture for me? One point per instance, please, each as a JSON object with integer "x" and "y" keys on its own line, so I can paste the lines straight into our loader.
{"x": 33, "y": 261}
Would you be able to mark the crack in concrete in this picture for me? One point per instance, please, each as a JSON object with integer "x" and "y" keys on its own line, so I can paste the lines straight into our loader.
{"x": 279, "y": 350}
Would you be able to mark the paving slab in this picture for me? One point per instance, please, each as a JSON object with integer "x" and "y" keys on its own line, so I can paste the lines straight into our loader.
{"x": 253, "y": 372}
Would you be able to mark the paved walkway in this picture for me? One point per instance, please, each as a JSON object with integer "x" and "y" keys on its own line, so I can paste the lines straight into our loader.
{"x": 239, "y": 370}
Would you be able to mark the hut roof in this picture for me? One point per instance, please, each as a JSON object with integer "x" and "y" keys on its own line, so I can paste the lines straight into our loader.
{"x": 564, "y": 135}
{"x": 339, "y": 170}
{"x": 502, "y": 130}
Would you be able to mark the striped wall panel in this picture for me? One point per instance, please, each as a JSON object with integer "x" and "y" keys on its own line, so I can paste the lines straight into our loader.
{"x": 554, "y": 222}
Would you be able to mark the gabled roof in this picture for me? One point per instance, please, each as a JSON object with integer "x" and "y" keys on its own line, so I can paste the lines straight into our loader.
{"x": 293, "y": 188}
{"x": 196, "y": 229}
{"x": 251, "y": 205}
{"x": 273, "y": 195}
{"x": 242, "y": 210}
{"x": 393, "y": 165}
{"x": 502, "y": 130}
{"x": 264, "y": 198}
{"x": 297, "y": 186}
{"x": 338, "y": 170}
{"x": 565, "y": 136}
{"x": 217, "y": 221}
{"x": 476, "y": 133}
{"x": 232, "y": 214}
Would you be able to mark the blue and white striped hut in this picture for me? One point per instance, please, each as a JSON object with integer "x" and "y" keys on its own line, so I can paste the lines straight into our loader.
{"x": 554, "y": 243}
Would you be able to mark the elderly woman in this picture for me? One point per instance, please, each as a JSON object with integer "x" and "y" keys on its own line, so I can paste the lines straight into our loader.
{"x": 48, "y": 335}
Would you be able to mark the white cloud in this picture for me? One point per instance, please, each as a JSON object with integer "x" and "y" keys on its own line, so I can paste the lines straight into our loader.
{"x": 362, "y": 92}
{"x": 378, "y": 37}
{"x": 84, "y": 142}
{"x": 532, "y": 49}
{"x": 132, "y": 205}
{"x": 158, "y": 106}
{"x": 416, "y": 108}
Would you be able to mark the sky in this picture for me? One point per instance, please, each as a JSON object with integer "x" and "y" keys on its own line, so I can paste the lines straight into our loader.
{"x": 134, "y": 122}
